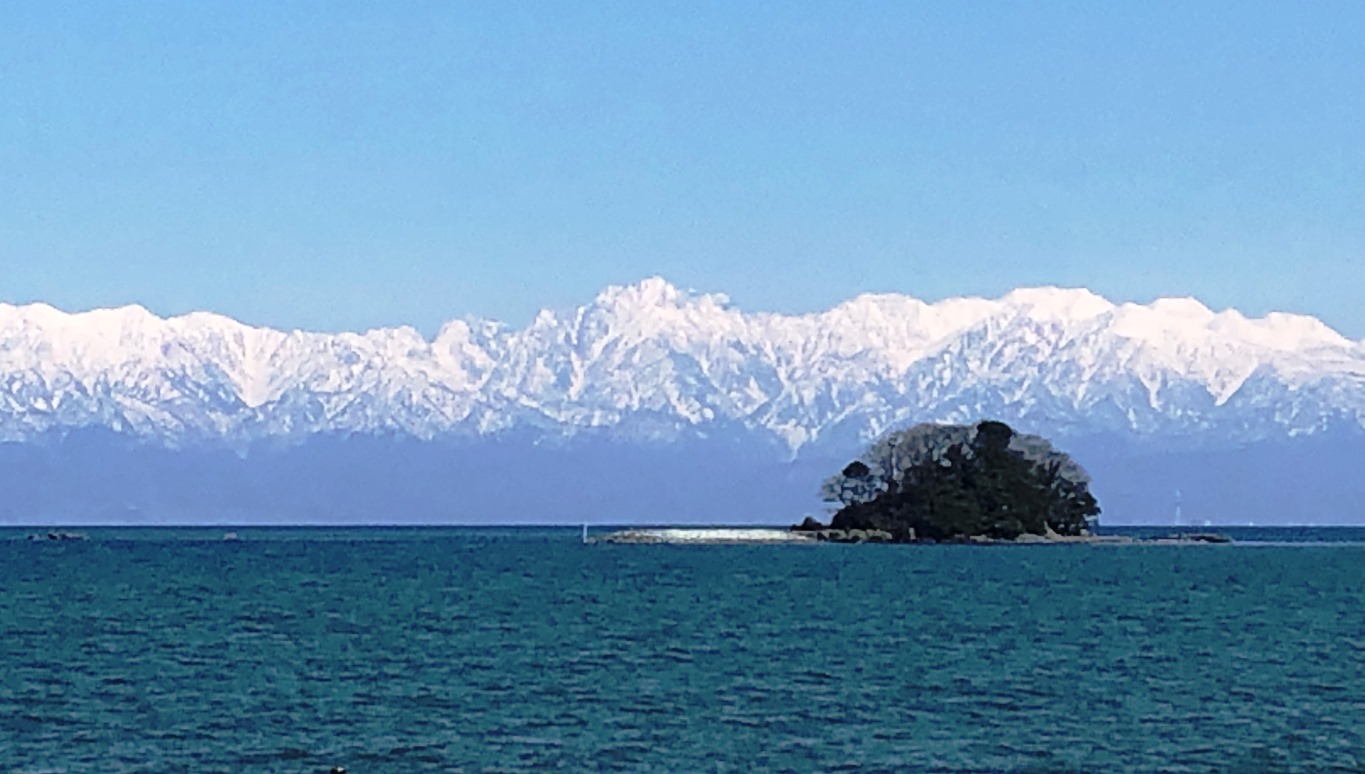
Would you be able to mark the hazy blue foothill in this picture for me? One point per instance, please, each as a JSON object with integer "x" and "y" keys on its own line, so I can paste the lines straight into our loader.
{"x": 101, "y": 477}
{"x": 420, "y": 650}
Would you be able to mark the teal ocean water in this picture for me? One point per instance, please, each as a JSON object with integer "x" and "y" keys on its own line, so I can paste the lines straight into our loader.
{"x": 411, "y": 650}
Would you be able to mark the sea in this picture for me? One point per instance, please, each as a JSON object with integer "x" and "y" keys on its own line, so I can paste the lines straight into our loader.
{"x": 523, "y": 649}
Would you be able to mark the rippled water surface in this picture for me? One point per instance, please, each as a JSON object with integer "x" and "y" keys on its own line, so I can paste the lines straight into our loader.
{"x": 408, "y": 650}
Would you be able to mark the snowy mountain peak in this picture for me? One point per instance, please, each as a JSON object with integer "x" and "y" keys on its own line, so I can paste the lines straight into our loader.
{"x": 1053, "y": 303}
{"x": 651, "y": 362}
{"x": 1181, "y": 308}
{"x": 654, "y": 295}
{"x": 649, "y": 292}
{"x": 1295, "y": 331}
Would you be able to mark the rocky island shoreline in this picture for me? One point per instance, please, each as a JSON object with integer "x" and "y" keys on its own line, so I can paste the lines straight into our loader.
{"x": 777, "y": 536}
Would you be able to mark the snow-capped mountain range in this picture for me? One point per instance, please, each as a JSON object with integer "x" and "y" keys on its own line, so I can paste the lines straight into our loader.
{"x": 652, "y": 363}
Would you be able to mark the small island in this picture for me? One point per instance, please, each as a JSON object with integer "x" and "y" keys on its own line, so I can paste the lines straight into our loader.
{"x": 939, "y": 483}
{"x": 959, "y": 483}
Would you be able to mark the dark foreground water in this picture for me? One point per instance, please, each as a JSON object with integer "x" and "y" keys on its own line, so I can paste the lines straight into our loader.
{"x": 416, "y": 650}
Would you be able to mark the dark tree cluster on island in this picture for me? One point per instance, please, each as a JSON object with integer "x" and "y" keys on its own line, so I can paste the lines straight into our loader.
{"x": 959, "y": 482}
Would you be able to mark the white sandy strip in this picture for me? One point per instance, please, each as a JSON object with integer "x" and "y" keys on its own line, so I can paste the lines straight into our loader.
{"x": 713, "y": 536}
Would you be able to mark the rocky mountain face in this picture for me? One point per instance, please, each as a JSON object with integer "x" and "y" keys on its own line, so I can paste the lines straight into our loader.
{"x": 651, "y": 363}
{"x": 650, "y": 366}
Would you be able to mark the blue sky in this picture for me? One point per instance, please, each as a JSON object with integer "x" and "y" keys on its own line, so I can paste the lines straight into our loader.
{"x": 338, "y": 165}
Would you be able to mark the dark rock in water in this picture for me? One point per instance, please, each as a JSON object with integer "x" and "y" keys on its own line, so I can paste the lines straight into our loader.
{"x": 879, "y": 536}
{"x": 56, "y": 535}
{"x": 855, "y": 536}
{"x": 1204, "y": 537}
{"x": 809, "y": 524}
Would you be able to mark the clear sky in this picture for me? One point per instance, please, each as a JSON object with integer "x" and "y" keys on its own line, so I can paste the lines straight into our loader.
{"x": 338, "y": 165}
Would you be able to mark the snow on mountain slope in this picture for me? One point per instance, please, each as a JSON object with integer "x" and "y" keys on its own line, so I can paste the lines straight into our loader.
{"x": 650, "y": 362}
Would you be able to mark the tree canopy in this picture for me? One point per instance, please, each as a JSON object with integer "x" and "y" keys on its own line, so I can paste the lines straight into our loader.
{"x": 945, "y": 482}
